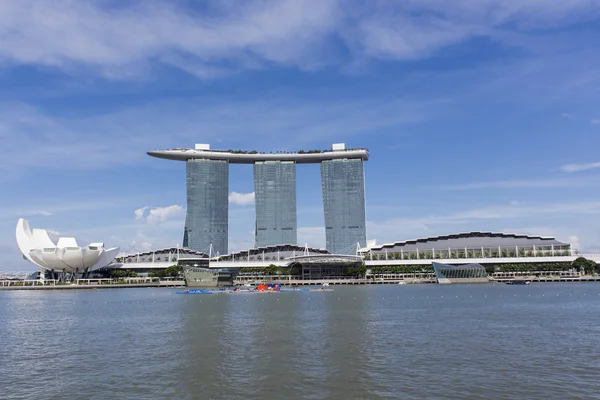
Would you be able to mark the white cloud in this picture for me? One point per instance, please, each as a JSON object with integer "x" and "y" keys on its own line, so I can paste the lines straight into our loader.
{"x": 43, "y": 213}
{"x": 120, "y": 42}
{"x": 241, "y": 199}
{"x": 595, "y": 121}
{"x": 490, "y": 218}
{"x": 33, "y": 138}
{"x": 575, "y": 242}
{"x": 162, "y": 214}
{"x": 520, "y": 183}
{"x": 580, "y": 167}
{"x": 140, "y": 212}
{"x": 53, "y": 232}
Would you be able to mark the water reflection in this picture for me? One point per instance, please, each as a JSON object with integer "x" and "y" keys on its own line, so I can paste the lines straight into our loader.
{"x": 357, "y": 342}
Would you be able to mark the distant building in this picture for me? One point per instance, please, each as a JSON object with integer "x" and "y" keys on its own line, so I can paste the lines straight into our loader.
{"x": 207, "y": 218}
{"x": 344, "y": 204}
{"x": 275, "y": 202}
{"x": 470, "y": 245}
{"x": 302, "y": 261}
{"x": 343, "y": 185}
{"x": 63, "y": 258}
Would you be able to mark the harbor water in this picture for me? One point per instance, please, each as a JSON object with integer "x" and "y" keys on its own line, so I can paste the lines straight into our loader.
{"x": 360, "y": 342}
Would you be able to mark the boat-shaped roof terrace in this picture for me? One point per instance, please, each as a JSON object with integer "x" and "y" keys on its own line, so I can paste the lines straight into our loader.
{"x": 250, "y": 157}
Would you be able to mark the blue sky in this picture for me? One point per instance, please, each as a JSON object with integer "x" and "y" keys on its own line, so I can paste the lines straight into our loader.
{"x": 478, "y": 115}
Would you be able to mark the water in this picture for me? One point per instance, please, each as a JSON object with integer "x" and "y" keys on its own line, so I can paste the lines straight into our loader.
{"x": 368, "y": 342}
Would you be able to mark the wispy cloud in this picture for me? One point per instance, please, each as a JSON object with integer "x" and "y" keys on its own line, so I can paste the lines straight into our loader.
{"x": 496, "y": 217}
{"x": 595, "y": 121}
{"x": 519, "y": 183}
{"x": 140, "y": 212}
{"x": 30, "y": 213}
{"x": 580, "y": 167}
{"x": 120, "y": 42}
{"x": 30, "y": 137}
{"x": 47, "y": 207}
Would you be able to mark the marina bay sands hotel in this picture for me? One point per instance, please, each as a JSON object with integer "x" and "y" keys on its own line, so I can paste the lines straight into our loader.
{"x": 207, "y": 218}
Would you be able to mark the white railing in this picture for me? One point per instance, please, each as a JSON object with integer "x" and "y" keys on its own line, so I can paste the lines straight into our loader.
{"x": 375, "y": 263}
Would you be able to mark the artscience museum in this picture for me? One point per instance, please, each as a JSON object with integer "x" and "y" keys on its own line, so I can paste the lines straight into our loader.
{"x": 64, "y": 259}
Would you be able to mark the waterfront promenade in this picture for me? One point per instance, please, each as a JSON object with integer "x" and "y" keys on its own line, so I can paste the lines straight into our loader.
{"x": 154, "y": 283}
{"x": 88, "y": 284}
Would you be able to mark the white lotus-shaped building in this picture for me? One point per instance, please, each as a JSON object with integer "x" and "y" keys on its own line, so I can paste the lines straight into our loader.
{"x": 64, "y": 256}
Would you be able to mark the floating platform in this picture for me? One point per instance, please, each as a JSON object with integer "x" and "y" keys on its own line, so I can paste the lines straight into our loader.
{"x": 260, "y": 290}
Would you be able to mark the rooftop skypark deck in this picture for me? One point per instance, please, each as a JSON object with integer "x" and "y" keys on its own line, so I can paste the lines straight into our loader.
{"x": 203, "y": 151}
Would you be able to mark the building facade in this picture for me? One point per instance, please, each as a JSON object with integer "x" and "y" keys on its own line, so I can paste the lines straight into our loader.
{"x": 343, "y": 187}
{"x": 470, "y": 245}
{"x": 207, "y": 218}
{"x": 275, "y": 202}
{"x": 64, "y": 256}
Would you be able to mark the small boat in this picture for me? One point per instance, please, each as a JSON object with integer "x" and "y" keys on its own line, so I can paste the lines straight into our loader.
{"x": 196, "y": 291}
{"x": 518, "y": 282}
{"x": 401, "y": 283}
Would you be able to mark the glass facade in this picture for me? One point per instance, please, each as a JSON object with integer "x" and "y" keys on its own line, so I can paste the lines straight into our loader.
{"x": 275, "y": 200}
{"x": 343, "y": 184}
{"x": 207, "y": 215}
{"x": 469, "y": 273}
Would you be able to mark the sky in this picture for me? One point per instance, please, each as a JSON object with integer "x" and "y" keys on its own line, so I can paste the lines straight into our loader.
{"x": 479, "y": 115}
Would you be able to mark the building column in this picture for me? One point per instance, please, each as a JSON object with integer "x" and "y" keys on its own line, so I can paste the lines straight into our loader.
{"x": 207, "y": 216}
{"x": 275, "y": 202}
{"x": 343, "y": 186}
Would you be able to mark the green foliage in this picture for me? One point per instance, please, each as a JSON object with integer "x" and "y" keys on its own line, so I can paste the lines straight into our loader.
{"x": 359, "y": 271}
{"x": 172, "y": 272}
{"x": 589, "y": 266}
{"x": 122, "y": 273}
{"x": 556, "y": 266}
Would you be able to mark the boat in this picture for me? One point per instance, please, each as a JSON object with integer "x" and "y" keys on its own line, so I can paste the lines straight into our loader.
{"x": 205, "y": 277}
{"x": 402, "y": 283}
{"x": 518, "y": 282}
{"x": 196, "y": 291}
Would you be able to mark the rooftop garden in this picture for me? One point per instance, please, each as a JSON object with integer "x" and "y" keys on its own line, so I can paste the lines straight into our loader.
{"x": 282, "y": 152}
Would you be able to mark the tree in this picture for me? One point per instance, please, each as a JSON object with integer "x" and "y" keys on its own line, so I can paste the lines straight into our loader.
{"x": 122, "y": 273}
{"x": 173, "y": 271}
{"x": 359, "y": 271}
{"x": 588, "y": 266}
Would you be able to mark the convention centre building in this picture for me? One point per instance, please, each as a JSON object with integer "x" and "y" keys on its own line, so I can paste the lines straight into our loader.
{"x": 470, "y": 245}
